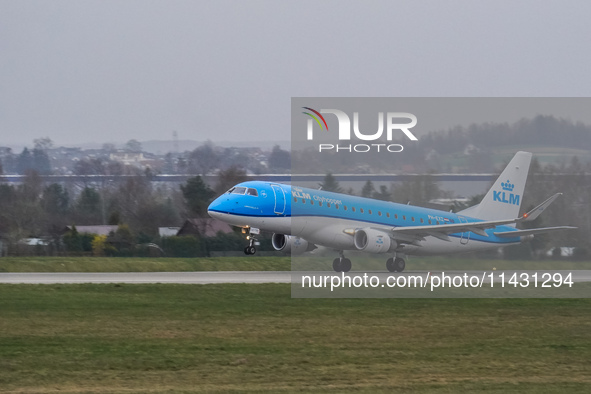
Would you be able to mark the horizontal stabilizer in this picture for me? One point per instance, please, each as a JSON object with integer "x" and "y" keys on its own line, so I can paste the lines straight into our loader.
{"x": 521, "y": 233}
{"x": 537, "y": 211}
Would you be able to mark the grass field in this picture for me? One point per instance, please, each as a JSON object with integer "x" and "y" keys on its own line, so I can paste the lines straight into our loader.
{"x": 258, "y": 263}
{"x": 138, "y": 264}
{"x": 255, "y": 338}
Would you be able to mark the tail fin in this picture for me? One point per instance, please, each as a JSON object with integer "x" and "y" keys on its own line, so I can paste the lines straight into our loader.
{"x": 504, "y": 199}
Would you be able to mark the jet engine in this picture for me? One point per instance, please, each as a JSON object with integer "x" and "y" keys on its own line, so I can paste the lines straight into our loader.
{"x": 288, "y": 243}
{"x": 373, "y": 241}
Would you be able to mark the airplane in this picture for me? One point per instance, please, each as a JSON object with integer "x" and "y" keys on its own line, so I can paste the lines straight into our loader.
{"x": 302, "y": 219}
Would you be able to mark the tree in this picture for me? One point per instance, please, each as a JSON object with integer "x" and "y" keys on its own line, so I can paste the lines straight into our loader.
{"x": 55, "y": 203}
{"x": 197, "y": 196}
{"x": 230, "y": 177}
{"x": 89, "y": 207}
{"x": 203, "y": 159}
{"x": 24, "y": 161}
{"x": 418, "y": 191}
{"x": 41, "y": 162}
{"x": 383, "y": 194}
{"x": 72, "y": 240}
{"x": 330, "y": 184}
{"x": 133, "y": 146}
{"x": 368, "y": 190}
{"x": 279, "y": 158}
{"x": 43, "y": 144}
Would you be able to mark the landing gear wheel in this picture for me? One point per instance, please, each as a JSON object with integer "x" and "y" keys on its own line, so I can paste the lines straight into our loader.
{"x": 346, "y": 265}
{"x": 399, "y": 264}
{"x": 390, "y": 265}
{"x": 336, "y": 265}
{"x": 250, "y": 250}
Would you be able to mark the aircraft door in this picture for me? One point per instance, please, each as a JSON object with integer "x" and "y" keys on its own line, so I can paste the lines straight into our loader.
{"x": 465, "y": 235}
{"x": 279, "y": 199}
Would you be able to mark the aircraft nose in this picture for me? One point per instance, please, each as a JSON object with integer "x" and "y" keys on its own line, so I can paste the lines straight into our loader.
{"x": 213, "y": 207}
{"x": 217, "y": 207}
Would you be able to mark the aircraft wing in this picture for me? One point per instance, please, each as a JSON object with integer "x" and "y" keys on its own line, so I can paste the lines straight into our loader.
{"x": 412, "y": 234}
{"x": 442, "y": 230}
{"x": 521, "y": 233}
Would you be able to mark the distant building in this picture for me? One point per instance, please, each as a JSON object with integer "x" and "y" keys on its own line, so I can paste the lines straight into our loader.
{"x": 168, "y": 231}
{"x": 565, "y": 251}
{"x": 204, "y": 227}
{"x": 128, "y": 158}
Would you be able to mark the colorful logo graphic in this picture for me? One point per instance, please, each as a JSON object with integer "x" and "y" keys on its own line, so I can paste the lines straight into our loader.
{"x": 315, "y": 118}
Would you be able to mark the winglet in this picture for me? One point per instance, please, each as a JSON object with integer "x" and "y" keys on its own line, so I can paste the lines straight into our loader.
{"x": 537, "y": 211}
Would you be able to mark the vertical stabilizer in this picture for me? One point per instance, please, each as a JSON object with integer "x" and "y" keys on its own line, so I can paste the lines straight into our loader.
{"x": 504, "y": 199}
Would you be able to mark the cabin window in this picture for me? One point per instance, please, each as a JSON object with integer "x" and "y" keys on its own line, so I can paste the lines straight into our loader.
{"x": 437, "y": 222}
{"x": 239, "y": 190}
{"x": 361, "y": 210}
{"x": 387, "y": 214}
{"x": 429, "y": 221}
{"x": 328, "y": 205}
{"x": 369, "y": 211}
{"x": 379, "y": 213}
{"x": 422, "y": 221}
{"x": 403, "y": 217}
{"x": 303, "y": 201}
{"x": 336, "y": 206}
{"x": 311, "y": 202}
{"x": 252, "y": 192}
{"x": 353, "y": 209}
{"x": 412, "y": 218}
{"x": 345, "y": 207}
{"x": 395, "y": 216}
{"x": 295, "y": 199}
{"x": 319, "y": 203}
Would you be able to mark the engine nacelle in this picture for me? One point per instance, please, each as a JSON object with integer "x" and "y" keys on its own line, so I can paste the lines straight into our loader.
{"x": 373, "y": 241}
{"x": 288, "y": 243}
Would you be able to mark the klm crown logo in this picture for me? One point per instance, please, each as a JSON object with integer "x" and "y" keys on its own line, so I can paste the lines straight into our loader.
{"x": 508, "y": 186}
{"x": 506, "y": 196}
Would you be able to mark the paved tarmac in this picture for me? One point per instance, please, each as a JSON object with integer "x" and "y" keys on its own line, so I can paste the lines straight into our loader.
{"x": 212, "y": 277}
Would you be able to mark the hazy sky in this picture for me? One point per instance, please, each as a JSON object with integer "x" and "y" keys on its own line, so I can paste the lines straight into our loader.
{"x": 100, "y": 71}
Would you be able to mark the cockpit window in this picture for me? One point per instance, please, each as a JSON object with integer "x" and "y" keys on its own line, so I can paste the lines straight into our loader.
{"x": 231, "y": 190}
{"x": 252, "y": 192}
{"x": 239, "y": 190}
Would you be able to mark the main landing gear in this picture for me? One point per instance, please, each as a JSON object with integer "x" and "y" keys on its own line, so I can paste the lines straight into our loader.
{"x": 395, "y": 264}
{"x": 341, "y": 264}
{"x": 251, "y": 249}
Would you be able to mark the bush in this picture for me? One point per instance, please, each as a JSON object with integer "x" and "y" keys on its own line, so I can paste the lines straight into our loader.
{"x": 182, "y": 246}
{"x": 580, "y": 254}
{"x": 76, "y": 242}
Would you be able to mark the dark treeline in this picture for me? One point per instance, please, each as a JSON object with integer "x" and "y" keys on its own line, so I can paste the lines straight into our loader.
{"x": 472, "y": 149}
{"x": 206, "y": 159}
{"x": 35, "y": 209}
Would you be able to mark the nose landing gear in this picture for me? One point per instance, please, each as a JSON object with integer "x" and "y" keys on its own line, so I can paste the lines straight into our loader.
{"x": 251, "y": 249}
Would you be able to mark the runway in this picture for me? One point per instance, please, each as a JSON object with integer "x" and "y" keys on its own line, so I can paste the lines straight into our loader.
{"x": 206, "y": 277}
{"x": 254, "y": 277}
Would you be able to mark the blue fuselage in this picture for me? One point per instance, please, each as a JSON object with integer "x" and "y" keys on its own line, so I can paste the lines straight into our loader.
{"x": 271, "y": 206}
